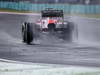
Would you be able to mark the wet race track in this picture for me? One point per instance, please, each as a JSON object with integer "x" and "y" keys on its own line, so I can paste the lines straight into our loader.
{"x": 49, "y": 49}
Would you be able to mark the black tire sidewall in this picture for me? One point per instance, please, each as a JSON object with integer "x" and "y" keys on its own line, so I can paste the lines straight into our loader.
{"x": 28, "y": 33}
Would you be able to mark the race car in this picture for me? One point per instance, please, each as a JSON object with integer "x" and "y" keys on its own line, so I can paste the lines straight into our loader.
{"x": 51, "y": 21}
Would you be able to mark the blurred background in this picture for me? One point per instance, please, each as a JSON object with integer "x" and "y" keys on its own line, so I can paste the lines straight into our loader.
{"x": 69, "y": 6}
{"x": 59, "y": 1}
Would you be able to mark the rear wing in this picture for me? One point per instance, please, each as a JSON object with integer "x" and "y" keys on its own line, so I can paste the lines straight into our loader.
{"x": 52, "y": 13}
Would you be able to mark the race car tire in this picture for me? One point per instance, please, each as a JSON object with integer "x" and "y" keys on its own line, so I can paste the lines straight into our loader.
{"x": 23, "y": 32}
{"x": 27, "y": 33}
{"x": 67, "y": 31}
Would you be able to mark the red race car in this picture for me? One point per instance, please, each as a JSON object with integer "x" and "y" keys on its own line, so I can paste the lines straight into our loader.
{"x": 51, "y": 21}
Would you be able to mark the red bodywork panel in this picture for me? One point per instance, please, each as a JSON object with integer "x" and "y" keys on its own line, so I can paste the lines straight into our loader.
{"x": 51, "y": 21}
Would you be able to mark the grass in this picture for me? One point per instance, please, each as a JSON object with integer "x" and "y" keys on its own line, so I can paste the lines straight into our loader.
{"x": 16, "y": 11}
{"x": 23, "y": 11}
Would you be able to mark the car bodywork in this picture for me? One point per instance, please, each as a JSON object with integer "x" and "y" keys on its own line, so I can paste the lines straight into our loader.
{"x": 51, "y": 21}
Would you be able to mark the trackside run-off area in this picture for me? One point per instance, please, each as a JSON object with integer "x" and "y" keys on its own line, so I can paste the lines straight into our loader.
{"x": 8, "y": 67}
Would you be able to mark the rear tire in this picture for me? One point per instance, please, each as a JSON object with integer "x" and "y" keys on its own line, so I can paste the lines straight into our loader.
{"x": 27, "y": 33}
{"x": 23, "y": 32}
{"x": 68, "y": 31}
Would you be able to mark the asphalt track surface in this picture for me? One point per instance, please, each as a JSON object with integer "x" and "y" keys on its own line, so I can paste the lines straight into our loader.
{"x": 49, "y": 49}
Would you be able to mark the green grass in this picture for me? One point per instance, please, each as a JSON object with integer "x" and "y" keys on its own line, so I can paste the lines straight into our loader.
{"x": 92, "y": 15}
{"x": 16, "y": 11}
